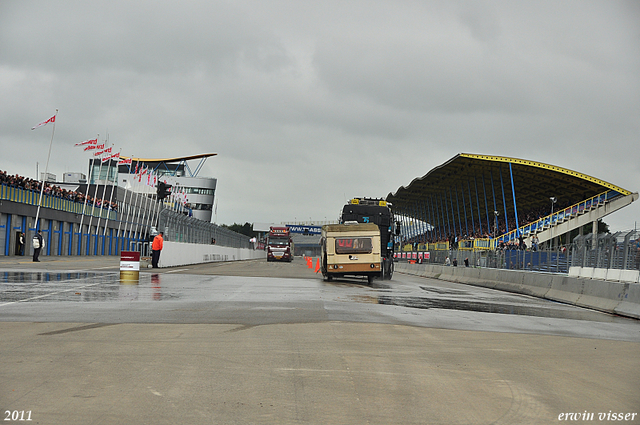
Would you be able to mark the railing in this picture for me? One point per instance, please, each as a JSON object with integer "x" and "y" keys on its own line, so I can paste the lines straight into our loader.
{"x": 178, "y": 227}
{"x": 620, "y": 250}
{"x": 604, "y": 251}
{"x": 468, "y": 245}
{"x": 555, "y": 261}
{"x": 559, "y": 216}
{"x": 30, "y": 197}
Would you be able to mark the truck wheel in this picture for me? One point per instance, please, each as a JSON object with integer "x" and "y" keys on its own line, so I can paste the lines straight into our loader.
{"x": 370, "y": 279}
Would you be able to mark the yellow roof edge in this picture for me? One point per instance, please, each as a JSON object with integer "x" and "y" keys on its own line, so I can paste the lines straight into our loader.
{"x": 547, "y": 167}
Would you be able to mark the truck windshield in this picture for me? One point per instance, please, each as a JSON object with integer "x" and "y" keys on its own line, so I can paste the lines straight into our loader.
{"x": 353, "y": 246}
{"x": 278, "y": 241}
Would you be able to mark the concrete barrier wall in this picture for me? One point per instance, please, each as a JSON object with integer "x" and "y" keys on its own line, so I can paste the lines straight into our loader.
{"x": 621, "y": 298}
{"x": 181, "y": 254}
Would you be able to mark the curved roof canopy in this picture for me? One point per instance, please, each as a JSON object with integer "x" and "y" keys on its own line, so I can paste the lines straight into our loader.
{"x": 475, "y": 182}
{"x": 171, "y": 160}
{"x": 171, "y": 165}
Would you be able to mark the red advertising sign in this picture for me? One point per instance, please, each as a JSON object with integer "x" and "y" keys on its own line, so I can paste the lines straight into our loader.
{"x": 129, "y": 256}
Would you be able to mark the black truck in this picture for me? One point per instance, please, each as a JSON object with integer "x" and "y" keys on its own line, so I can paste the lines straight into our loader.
{"x": 377, "y": 211}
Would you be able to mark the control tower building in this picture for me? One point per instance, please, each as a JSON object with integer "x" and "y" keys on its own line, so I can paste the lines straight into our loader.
{"x": 200, "y": 191}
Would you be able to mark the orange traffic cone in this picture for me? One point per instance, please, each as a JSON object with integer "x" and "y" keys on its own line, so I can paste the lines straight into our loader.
{"x": 309, "y": 262}
{"x": 317, "y": 265}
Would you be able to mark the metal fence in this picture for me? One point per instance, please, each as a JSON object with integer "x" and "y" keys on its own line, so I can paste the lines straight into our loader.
{"x": 180, "y": 228}
{"x": 620, "y": 250}
{"x": 610, "y": 251}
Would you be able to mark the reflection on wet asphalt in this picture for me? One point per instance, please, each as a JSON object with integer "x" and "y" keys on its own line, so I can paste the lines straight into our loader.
{"x": 497, "y": 308}
{"x": 167, "y": 297}
{"x": 16, "y": 286}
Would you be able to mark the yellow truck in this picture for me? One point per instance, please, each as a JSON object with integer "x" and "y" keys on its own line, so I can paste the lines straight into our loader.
{"x": 351, "y": 249}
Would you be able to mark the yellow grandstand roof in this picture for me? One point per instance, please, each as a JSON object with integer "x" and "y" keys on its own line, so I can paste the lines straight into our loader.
{"x": 470, "y": 179}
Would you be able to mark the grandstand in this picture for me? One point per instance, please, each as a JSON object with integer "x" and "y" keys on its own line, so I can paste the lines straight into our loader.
{"x": 100, "y": 218}
{"x": 482, "y": 202}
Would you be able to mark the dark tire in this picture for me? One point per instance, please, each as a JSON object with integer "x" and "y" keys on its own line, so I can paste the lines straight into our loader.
{"x": 370, "y": 279}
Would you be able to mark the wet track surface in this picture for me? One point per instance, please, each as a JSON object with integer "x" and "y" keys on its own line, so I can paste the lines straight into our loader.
{"x": 257, "y": 342}
{"x": 177, "y": 296}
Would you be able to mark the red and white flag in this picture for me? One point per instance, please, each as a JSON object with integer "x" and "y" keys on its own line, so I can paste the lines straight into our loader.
{"x": 103, "y": 151}
{"x": 45, "y": 122}
{"x": 90, "y": 147}
{"x": 108, "y": 150}
{"x": 124, "y": 161}
{"x": 87, "y": 142}
{"x": 110, "y": 157}
{"x": 142, "y": 173}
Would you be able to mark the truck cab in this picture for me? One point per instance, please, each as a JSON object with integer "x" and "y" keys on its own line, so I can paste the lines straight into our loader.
{"x": 279, "y": 244}
{"x": 376, "y": 211}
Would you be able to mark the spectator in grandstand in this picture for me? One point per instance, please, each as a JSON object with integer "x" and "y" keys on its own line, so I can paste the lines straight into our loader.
{"x": 534, "y": 242}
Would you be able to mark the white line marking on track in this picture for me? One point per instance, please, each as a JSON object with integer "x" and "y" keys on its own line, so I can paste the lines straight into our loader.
{"x": 179, "y": 270}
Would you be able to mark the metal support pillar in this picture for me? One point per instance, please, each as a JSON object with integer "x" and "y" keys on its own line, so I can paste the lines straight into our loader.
{"x": 515, "y": 207}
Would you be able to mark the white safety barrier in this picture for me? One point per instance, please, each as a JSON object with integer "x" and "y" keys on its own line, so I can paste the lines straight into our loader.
{"x": 180, "y": 254}
{"x": 618, "y": 297}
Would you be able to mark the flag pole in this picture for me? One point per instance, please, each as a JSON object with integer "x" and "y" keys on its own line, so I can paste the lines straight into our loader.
{"x": 152, "y": 205}
{"x": 135, "y": 212}
{"x": 93, "y": 203}
{"x": 112, "y": 187}
{"x": 124, "y": 206}
{"x": 104, "y": 190}
{"x": 143, "y": 208}
{"x": 84, "y": 206}
{"x": 46, "y": 170}
{"x": 132, "y": 206}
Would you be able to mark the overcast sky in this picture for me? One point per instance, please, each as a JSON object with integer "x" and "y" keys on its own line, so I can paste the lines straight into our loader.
{"x": 311, "y": 103}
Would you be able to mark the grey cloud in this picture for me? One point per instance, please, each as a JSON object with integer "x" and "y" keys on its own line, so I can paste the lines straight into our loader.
{"x": 337, "y": 98}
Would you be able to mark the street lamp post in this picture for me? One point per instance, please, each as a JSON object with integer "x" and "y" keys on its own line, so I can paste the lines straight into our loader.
{"x": 553, "y": 200}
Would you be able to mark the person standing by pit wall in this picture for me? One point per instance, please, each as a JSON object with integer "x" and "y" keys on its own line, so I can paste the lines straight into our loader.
{"x": 38, "y": 244}
{"x": 156, "y": 247}
{"x": 21, "y": 242}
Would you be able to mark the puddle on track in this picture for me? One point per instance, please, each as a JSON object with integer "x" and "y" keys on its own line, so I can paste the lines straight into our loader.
{"x": 79, "y": 287}
{"x": 554, "y": 310}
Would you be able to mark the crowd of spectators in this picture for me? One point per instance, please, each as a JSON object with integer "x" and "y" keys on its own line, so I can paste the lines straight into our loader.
{"x": 526, "y": 218}
{"x": 72, "y": 195}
